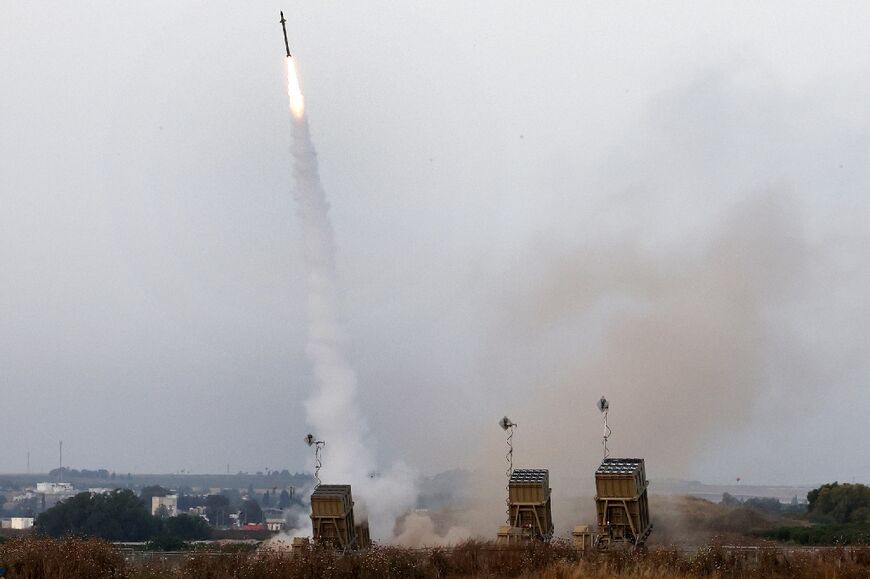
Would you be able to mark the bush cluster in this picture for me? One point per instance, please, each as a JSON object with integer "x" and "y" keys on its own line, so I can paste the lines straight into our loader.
{"x": 848, "y": 534}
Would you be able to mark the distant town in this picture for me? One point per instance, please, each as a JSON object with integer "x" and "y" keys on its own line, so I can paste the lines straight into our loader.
{"x": 257, "y": 503}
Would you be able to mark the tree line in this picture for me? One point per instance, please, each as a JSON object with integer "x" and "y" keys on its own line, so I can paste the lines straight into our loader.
{"x": 117, "y": 515}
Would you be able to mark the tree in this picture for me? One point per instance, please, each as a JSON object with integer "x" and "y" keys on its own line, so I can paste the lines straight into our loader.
{"x": 187, "y": 502}
{"x": 251, "y": 513}
{"x": 151, "y": 491}
{"x": 768, "y": 505}
{"x": 216, "y": 509}
{"x": 162, "y": 512}
{"x": 165, "y": 543}
{"x": 233, "y": 496}
{"x": 118, "y": 515}
{"x": 61, "y": 472}
{"x": 28, "y": 507}
{"x": 187, "y": 527}
{"x": 729, "y": 500}
{"x": 267, "y": 499}
{"x": 839, "y": 503}
{"x": 284, "y": 500}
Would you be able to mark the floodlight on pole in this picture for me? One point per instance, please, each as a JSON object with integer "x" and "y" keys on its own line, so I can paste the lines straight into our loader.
{"x": 318, "y": 445}
{"x": 604, "y": 407}
{"x": 509, "y": 426}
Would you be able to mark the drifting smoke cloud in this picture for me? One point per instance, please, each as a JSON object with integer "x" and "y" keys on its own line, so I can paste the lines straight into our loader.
{"x": 333, "y": 410}
{"x": 418, "y": 529}
{"x": 705, "y": 289}
{"x": 693, "y": 303}
{"x": 680, "y": 342}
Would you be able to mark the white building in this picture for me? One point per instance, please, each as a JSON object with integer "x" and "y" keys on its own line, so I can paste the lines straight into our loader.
{"x": 55, "y": 488}
{"x": 52, "y": 493}
{"x": 164, "y": 506}
{"x": 18, "y": 523}
{"x": 275, "y": 524}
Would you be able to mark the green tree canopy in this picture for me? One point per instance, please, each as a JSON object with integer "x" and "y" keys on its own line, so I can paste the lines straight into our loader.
{"x": 250, "y": 513}
{"x": 768, "y": 505}
{"x": 730, "y": 501}
{"x": 839, "y": 503}
{"x": 217, "y": 509}
{"x": 152, "y": 491}
{"x": 117, "y": 516}
{"x": 187, "y": 527}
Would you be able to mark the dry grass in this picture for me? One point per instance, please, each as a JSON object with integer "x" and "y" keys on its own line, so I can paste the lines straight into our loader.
{"x": 44, "y": 558}
{"x": 694, "y": 521}
{"x": 39, "y": 558}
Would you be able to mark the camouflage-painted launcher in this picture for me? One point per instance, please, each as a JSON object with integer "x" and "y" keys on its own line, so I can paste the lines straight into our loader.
{"x": 332, "y": 519}
{"x": 622, "y": 503}
{"x": 530, "y": 511}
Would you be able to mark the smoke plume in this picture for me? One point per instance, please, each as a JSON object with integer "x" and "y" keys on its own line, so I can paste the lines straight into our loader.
{"x": 333, "y": 410}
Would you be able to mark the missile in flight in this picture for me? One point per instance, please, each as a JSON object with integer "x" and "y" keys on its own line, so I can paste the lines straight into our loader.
{"x": 284, "y": 27}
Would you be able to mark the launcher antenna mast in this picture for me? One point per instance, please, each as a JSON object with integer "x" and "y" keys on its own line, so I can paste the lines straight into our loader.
{"x": 318, "y": 445}
{"x": 509, "y": 426}
{"x": 604, "y": 407}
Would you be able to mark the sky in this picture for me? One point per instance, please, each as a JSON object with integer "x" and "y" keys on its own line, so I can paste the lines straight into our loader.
{"x": 534, "y": 204}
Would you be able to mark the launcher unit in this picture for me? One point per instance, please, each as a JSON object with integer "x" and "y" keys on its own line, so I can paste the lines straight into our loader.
{"x": 529, "y": 500}
{"x": 621, "y": 500}
{"x": 332, "y": 517}
{"x": 363, "y": 539}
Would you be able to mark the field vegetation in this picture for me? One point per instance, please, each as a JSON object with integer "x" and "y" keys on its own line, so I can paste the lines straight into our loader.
{"x": 837, "y": 514}
{"x": 48, "y": 558}
{"x": 846, "y": 534}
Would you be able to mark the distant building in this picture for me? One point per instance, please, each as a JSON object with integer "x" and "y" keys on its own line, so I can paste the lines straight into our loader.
{"x": 55, "y": 488}
{"x": 275, "y": 524}
{"x": 198, "y": 512}
{"x": 164, "y": 506}
{"x": 17, "y": 523}
{"x": 51, "y": 493}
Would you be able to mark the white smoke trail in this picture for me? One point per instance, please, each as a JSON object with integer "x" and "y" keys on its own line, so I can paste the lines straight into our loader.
{"x": 333, "y": 411}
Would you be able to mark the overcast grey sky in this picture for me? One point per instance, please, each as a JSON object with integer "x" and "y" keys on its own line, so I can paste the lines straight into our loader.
{"x": 534, "y": 203}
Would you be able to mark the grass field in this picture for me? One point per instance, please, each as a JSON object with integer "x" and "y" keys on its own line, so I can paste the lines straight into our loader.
{"x": 40, "y": 558}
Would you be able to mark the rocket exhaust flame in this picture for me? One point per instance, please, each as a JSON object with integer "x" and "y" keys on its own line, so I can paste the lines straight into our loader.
{"x": 297, "y": 101}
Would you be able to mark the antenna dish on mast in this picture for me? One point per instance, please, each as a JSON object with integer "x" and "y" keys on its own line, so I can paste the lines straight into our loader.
{"x": 318, "y": 445}
{"x": 508, "y": 425}
{"x": 604, "y": 407}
